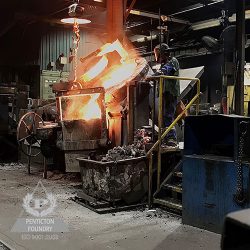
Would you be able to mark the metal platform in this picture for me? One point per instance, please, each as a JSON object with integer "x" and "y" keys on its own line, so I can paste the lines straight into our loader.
{"x": 103, "y": 207}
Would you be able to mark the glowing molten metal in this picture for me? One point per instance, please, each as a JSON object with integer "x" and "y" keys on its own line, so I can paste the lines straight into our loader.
{"x": 82, "y": 107}
{"x": 91, "y": 110}
{"x": 110, "y": 67}
{"x": 114, "y": 67}
{"x": 96, "y": 70}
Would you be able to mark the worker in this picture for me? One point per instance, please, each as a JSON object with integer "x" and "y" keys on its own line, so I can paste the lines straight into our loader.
{"x": 171, "y": 90}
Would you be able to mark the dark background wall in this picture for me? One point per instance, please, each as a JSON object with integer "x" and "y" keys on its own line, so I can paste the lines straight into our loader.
{"x": 211, "y": 79}
{"x": 57, "y": 40}
{"x": 25, "y": 51}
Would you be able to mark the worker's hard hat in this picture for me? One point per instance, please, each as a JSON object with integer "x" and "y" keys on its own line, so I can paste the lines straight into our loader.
{"x": 163, "y": 48}
{"x": 160, "y": 51}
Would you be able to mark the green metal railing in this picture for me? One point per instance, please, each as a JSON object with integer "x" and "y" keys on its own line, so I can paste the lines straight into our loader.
{"x": 161, "y": 135}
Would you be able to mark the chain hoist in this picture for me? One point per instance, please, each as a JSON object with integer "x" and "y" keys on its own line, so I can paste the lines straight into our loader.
{"x": 240, "y": 196}
{"x": 76, "y": 41}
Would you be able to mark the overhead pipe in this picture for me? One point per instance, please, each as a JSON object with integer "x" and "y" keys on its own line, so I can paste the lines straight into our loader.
{"x": 195, "y": 7}
{"x": 156, "y": 16}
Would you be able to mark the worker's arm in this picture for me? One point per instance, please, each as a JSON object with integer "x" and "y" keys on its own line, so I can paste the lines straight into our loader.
{"x": 168, "y": 69}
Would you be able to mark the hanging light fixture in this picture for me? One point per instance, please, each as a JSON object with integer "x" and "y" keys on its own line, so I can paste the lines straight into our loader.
{"x": 70, "y": 20}
{"x": 75, "y": 14}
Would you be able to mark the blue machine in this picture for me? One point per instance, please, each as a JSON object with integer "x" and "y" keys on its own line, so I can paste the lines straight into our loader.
{"x": 210, "y": 171}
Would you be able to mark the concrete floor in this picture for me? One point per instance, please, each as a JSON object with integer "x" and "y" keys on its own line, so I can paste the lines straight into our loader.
{"x": 88, "y": 230}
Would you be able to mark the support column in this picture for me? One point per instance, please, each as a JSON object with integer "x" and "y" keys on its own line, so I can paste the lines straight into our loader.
{"x": 130, "y": 115}
{"x": 240, "y": 43}
{"x": 115, "y": 19}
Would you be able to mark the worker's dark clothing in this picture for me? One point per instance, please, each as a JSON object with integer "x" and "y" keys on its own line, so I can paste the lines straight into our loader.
{"x": 171, "y": 68}
{"x": 169, "y": 107}
{"x": 171, "y": 90}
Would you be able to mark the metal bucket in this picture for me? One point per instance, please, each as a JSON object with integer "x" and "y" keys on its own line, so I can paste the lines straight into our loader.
{"x": 125, "y": 180}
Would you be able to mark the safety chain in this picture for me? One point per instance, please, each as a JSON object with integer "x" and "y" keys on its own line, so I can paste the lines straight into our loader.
{"x": 240, "y": 196}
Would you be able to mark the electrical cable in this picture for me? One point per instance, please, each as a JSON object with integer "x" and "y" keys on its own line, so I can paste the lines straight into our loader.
{"x": 151, "y": 42}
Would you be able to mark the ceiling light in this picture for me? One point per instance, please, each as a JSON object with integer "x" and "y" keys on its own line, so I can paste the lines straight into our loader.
{"x": 75, "y": 13}
{"x": 71, "y": 20}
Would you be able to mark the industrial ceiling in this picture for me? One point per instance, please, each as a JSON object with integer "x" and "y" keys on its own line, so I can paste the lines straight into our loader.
{"x": 26, "y": 12}
{"x": 187, "y": 20}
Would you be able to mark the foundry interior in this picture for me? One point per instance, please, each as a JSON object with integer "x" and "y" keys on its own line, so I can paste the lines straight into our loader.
{"x": 130, "y": 119}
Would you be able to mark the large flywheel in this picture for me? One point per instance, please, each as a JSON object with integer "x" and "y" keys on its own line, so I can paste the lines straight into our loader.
{"x": 27, "y": 133}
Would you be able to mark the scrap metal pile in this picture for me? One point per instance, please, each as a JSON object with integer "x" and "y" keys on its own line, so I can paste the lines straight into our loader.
{"x": 137, "y": 149}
